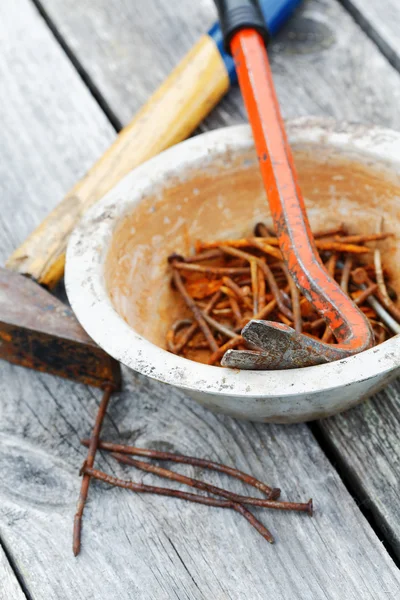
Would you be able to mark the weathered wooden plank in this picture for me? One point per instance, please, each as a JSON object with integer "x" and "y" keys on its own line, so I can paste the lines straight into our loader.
{"x": 52, "y": 129}
{"x": 323, "y": 65}
{"x": 149, "y": 547}
{"x": 136, "y": 546}
{"x": 365, "y": 442}
{"x": 381, "y": 21}
{"x": 9, "y": 586}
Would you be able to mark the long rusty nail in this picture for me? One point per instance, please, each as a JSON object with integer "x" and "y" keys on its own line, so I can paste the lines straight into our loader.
{"x": 191, "y": 304}
{"x": 340, "y": 247}
{"x": 382, "y": 291}
{"x": 88, "y": 463}
{"x": 330, "y": 232}
{"x": 181, "y": 266}
{"x": 254, "y": 284}
{"x": 295, "y": 296}
{"x": 202, "y": 256}
{"x": 230, "y": 345}
{"x": 189, "y": 460}
{"x": 268, "y": 275}
{"x": 189, "y": 333}
{"x": 360, "y": 276}
{"x": 218, "y": 326}
{"x": 202, "y": 485}
{"x": 344, "y": 282}
{"x": 387, "y": 318}
{"x": 331, "y": 267}
{"x": 363, "y": 238}
{"x": 365, "y": 294}
{"x": 236, "y": 310}
{"x": 150, "y": 489}
{"x": 237, "y": 290}
{"x": 261, "y": 289}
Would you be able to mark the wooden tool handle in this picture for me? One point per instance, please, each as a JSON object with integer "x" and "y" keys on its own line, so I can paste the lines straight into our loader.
{"x": 172, "y": 113}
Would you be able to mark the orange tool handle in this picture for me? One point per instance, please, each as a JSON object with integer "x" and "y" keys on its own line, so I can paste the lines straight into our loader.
{"x": 346, "y": 321}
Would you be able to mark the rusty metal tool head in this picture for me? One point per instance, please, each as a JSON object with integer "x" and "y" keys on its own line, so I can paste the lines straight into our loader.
{"x": 39, "y": 332}
{"x": 274, "y": 345}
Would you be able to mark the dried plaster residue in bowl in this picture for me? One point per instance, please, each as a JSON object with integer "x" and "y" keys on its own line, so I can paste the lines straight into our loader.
{"x": 225, "y": 200}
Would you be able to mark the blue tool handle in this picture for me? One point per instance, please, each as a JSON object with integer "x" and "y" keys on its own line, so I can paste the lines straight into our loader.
{"x": 276, "y": 13}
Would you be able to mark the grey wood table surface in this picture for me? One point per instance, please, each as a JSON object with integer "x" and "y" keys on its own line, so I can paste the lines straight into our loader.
{"x": 71, "y": 74}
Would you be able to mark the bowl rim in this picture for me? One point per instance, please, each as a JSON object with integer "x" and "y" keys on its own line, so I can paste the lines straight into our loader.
{"x": 89, "y": 243}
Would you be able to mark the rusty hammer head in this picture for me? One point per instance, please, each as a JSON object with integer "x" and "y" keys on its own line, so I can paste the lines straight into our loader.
{"x": 39, "y": 332}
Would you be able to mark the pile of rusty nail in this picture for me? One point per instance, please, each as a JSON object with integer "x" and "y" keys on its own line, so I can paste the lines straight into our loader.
{"x": 220, "y": 498}
{"x": 227, "y": 283}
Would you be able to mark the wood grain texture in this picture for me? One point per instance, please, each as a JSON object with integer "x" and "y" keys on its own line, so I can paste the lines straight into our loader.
{"x": 142, "y": 547}
{"x": 323, "y": 64}
{"x": 365, "y": 444}
{"x": 52, "y": 129}
{"x": 139, "y": 547}
{"x": 381, "y": 21}
{"x": 172, "y": 113}
{"x": 9, "y": 586}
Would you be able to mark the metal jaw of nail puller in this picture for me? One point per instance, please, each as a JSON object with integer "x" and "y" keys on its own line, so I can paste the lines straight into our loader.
{"x": 277, "y": 346}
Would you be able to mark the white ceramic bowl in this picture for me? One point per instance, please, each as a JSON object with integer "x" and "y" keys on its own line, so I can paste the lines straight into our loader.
{"x": 208, "y": 187}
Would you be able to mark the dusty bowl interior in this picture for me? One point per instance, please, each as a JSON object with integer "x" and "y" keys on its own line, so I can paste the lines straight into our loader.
{"x": 209, "y": 187}
{"x": 225, "y": 199}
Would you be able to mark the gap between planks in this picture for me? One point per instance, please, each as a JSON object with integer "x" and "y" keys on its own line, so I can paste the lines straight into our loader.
{"x": 372, "y": 20}
{"x": 80, "y": 69}
{"x": 13, "y": 583}
{"x": 351, "y": 485}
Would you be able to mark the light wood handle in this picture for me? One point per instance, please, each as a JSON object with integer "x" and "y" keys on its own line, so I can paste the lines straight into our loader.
{"x": 194, "y": 87}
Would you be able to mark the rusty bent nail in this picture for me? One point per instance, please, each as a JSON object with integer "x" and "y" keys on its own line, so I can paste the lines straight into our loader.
{"x": 275, "y": 345}
{"x": 271, "y": 493}
{"x": 202, "y": 485}
{"x": 207, "y": 500}
{"x": 88, "y": 464}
